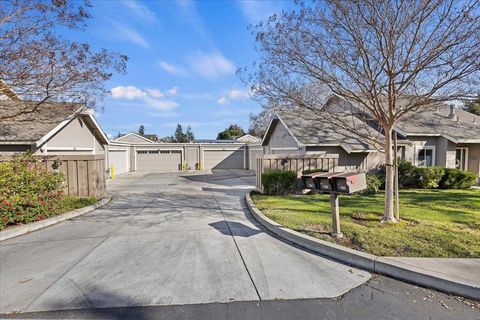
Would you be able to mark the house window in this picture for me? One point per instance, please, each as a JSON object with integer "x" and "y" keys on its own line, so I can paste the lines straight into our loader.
{"x": 426, "y": 157}
{"x": 461, "y": 158}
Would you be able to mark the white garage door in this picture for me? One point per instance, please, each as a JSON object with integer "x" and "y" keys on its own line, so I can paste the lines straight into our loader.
{"x": 118, "y": 158}
{"x": 223, "y": 159}
{"x": 159, "y": 160}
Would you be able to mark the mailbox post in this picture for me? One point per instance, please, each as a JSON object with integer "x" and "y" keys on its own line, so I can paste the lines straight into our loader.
{"x": 336, "y": 183}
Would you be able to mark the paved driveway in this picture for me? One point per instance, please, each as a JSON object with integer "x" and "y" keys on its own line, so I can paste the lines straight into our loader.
{"x": 164, "y": 239}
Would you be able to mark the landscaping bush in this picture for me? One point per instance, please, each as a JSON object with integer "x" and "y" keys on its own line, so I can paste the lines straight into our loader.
{"x": 457, "y": 179}
{"x": 405, "y": 174}
{"x": 27, "y": 192}
{"x": 427, "y": 177}
{"x": 279, "y": 182}
{"x": 373, "y": 184}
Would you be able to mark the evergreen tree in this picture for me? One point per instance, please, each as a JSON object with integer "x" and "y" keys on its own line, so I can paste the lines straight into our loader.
{"x": 189, "y": 136}
{"x": 179, "y": 135}
{"x": 141, "y": 130}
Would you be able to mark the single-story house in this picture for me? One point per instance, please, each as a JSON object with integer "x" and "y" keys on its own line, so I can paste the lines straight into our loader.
{"x": 65, "y": 136}
{"x": 134, "y": 138}
{"x": 49, "y": 129}
{"x": 446, "y": 136}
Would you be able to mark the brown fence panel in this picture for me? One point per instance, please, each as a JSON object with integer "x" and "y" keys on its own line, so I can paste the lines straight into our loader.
{"x": 84, "y": 174}
{"x": 297, "y": 163}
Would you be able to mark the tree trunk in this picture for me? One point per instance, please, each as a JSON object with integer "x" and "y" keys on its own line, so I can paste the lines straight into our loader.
{"x": 389, "y": 179}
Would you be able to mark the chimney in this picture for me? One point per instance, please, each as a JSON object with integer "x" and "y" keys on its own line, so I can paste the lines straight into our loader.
{"x": 452, "y": 111}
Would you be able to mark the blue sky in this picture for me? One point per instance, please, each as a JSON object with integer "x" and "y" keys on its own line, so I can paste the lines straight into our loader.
{"x": 183, "y": 56}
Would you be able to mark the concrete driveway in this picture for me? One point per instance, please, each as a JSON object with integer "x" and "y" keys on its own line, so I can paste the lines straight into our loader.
{"x": 164, "y": 239}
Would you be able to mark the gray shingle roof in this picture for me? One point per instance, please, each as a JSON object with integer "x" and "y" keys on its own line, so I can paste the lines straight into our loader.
{"x": 322, "y": 131}
{"x": 462, "y": 127}
{"x": 31, "y": 126}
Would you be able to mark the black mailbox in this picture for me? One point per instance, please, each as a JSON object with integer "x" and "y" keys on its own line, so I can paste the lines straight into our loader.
{"x": 309, "y": 180}
{"x": 349, "y": 182}
{"x": 324, "y": 181}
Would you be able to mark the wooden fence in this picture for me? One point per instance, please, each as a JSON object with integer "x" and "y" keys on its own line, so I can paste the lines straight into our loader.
{"x": 296, "y": 163}
{"x": 84, "y": 174}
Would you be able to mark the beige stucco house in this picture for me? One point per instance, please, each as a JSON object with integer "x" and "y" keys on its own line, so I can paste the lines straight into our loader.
{"x": 49, "y": 129}
{"x": 446, "y": 136}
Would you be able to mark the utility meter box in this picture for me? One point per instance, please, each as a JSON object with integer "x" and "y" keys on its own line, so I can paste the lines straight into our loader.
{"x": 349, "y": 182}
{"x": 324, "y": 181}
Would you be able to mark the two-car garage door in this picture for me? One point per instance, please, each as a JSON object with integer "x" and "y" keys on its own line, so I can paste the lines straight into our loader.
{"x": 223, "y": 159}
{"x": 159, "y": 160}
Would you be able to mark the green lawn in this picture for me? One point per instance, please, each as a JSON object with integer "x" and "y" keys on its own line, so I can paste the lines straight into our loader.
{"x": 434, "y": 223}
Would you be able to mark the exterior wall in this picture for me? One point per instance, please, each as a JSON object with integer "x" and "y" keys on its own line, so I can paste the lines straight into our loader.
{"x": 445, "y": 153}
{"x": 281, "y": 141}
{"x": 419, "y": 142}
{"x": 347, "y": 161}
{"x": 473, "y": 157}
{"x": 76, "y": 138}
{"x": 192, "y": 159}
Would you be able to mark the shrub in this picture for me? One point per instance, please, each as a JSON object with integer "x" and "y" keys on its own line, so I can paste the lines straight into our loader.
{"x": 405, "y": 174}
{"x": 27, "y": 192}
{"x": 373, "y": 184}
{"x": 279, "y": 182}
{"x": 427, "y": 177}
{"x": 457, "y": 179}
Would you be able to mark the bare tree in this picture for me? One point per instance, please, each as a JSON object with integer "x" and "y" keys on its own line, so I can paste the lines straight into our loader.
{"x": 389, "y": 59}
{"x": 39, "y": 65}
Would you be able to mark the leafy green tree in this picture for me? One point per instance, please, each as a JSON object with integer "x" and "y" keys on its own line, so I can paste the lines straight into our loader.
{"x": 473, "y": 106}
{"x": 179, "y": 136}
{"x": 189, "y": 136}
{"x": 232, "y": 132}
{"x": 141, "y": 130}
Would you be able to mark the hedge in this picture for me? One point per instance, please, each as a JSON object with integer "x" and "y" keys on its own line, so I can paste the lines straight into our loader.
{"x": 457, "y": 179}
{"x": 27, "y": 193}
{"x": 279, "y": 182}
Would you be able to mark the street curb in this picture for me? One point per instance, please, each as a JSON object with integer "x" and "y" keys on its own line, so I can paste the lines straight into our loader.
{"x": 369, "y": 262}
{"x": 23, "y": 229}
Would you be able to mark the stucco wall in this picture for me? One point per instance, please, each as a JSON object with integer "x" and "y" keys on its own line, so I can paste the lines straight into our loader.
{"x": 361, "y": 161}
{"x": 473, "y": 157}
{"x": 75, "y": 134}
{"x": 76, "y": 138}
{"x": 281, "y": 141}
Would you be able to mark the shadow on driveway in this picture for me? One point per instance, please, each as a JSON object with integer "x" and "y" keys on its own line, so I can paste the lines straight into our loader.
{"x": 237, "y": 229}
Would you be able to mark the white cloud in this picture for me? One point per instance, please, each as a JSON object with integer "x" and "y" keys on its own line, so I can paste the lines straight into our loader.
{"x": 239, "y": 94}
{"x": 189, "y": 15}
{"x": 172, "y": 69}
{"x": 222, "y": 101}
{"x": 155, "y": 93}
{"x": 151, "y": 97}
{"x": 256, "y": 11}
{"x": 173, "y": 91}
{"x": 160, "y": 104}
{"x": 127, "y": 92}
{"x": 140, "y": 11}
{"x": 234, "y": 94}
{"x": 212, "y": 65}
{"x": 131, "y": 35}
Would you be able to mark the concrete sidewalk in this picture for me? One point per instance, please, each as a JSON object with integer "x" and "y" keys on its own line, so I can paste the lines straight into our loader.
{"x": 458, "y": 270}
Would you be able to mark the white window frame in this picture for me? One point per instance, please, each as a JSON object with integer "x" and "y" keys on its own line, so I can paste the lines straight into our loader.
{"x": 425, "y": 147}
{"x": 466, "y": 157}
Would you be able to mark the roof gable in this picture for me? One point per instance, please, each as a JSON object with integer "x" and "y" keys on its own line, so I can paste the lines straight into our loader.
{"x": 133, "y": 137}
